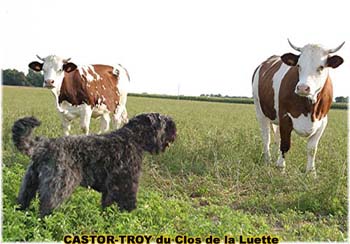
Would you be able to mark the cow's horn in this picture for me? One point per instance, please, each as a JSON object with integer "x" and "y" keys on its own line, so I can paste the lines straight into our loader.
{"x": 42, "y": 59}
{"x": 336, "y": 49}
{"x": 66, "y": 60}
{"x": 294, "y": 47}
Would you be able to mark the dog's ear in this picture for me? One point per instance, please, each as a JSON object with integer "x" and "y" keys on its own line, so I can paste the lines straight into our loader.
{"x": 170, "y": 127}
{"x": 153, "y": 117}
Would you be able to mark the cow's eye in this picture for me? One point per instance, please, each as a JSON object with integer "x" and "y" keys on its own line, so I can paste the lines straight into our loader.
{"x": 60, "y": 70}
{"x": 319, "y": 69}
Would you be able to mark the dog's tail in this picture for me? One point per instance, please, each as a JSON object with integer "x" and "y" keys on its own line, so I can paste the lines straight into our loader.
{"x": 21, "y": 134}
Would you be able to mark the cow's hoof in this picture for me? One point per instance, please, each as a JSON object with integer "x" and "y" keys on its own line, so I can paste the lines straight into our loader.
{"x": 311, "y": 173}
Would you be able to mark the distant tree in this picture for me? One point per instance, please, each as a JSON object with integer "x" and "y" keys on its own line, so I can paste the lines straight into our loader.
{"x": 13, "y": 77}
{"x": 342, "y": 99}
{"x": 35, "y": 78}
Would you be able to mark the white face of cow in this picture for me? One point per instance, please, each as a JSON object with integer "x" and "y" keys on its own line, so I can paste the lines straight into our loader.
{"x": 312, "y": 70}
{"x": 312, "y": 63}
{"x": 53, "y": 68}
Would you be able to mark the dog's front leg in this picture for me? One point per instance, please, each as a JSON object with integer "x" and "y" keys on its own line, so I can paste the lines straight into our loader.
{"x": 106, "y": 200}
{"x": 126, "y": 196}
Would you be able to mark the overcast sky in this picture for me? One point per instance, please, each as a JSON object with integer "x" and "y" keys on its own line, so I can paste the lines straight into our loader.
{"x": 192, "y": 46}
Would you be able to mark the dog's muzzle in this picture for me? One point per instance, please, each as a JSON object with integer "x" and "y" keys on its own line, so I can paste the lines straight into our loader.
{"x": 170, "y": 132}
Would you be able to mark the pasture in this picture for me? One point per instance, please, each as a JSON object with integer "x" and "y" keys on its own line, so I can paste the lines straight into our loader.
{"x": 211, "y": 181}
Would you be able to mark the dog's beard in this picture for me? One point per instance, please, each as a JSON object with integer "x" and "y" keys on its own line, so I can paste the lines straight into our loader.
{"x": 170, "y": 138}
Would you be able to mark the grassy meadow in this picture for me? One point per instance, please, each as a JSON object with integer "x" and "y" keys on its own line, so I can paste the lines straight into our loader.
{"x": 211, "y": 181}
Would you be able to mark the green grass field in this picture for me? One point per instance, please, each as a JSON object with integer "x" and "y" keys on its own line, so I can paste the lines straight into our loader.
{"x": 212, "y": 181}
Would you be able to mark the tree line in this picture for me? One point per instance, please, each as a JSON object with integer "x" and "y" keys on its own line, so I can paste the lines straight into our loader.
{"x": 342, "y": 99}
{"x": 222, "y": 96}
{"x": 13, "y": 77}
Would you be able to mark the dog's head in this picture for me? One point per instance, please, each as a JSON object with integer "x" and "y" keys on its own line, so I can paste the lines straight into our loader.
{"x": 155, "y": 132}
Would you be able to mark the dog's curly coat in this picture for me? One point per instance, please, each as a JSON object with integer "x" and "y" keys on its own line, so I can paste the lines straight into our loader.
{"x": 109, "y": 163}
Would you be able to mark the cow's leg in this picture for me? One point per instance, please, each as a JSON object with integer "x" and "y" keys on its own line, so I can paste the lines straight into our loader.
{"x": 312, "y": 147}
{"x": 105, "y": 120}
{"x": 276, "y": 133}
{"x": 125, "y": 119}
{"x": 286, "y": 127}
{"x": 265, "y": 132}
{"x": 276, "y": 137}
{"x": 120, "y": 114}
{"x": 85, "y": 118}
{"x": 65, "y": 126}
{"x": 264, "y": 123}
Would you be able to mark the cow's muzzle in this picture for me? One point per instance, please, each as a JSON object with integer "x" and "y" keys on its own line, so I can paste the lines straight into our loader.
{"x": 302, "y": 90}
{"x": 49, "y": 83}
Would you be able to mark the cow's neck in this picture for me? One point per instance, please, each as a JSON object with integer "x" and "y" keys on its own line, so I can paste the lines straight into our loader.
{"x": 72, "y": 90}
{"x": 325, "y": 77}
{"x": 324, "y": 101}
{"x": 314, "y": 98}
{"x": 56, "y": 93}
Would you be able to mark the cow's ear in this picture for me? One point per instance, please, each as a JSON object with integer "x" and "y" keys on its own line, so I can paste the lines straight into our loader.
{"x": 36, "y": 66}
{"x": 290, "y": 59}
{"x": 334, "y": 61}
{"x": 69, "y": 67}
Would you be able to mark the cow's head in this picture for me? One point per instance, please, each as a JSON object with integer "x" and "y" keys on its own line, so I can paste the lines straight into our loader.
{"x": 53, "y": 68}
{"x": 312, "y": 63}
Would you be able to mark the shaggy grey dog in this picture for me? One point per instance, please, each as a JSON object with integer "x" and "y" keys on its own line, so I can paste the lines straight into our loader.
{"x": 109, "y": 163}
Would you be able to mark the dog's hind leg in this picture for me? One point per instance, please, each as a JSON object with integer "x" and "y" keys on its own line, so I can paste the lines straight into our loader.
{"x": 56, "y": 185}
{"x": 28, "y": 188}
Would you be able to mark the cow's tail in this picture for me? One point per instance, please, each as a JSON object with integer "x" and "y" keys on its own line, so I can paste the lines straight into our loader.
{"x": 253, "y": 77}
{"x": 126, "y": 72}
{"x": 22, "y": 134}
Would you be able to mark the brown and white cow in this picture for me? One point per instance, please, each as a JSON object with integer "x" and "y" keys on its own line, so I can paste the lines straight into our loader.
{"x": 294, "y": 92}
{"x": 86, "y": 91}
